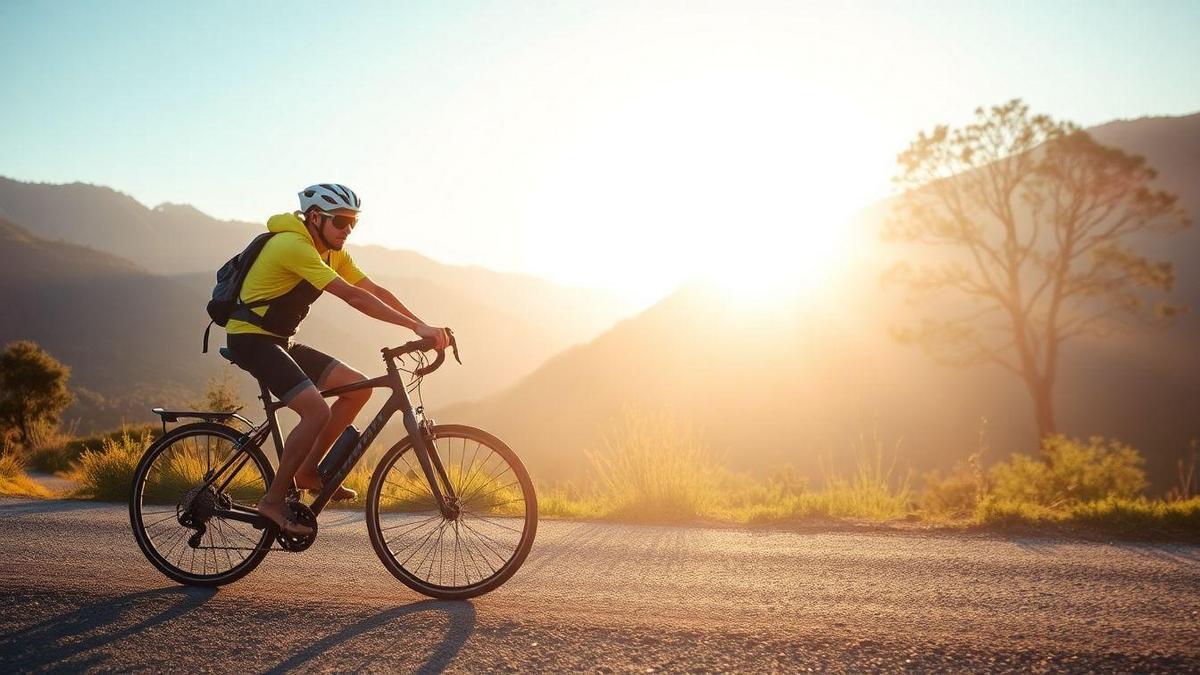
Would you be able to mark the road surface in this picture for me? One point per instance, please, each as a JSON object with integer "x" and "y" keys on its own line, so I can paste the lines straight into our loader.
{"x": 77, "y": 594}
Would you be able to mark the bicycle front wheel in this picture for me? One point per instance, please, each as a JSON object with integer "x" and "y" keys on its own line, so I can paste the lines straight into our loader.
{"x": 479, "y": 548}
{"x": 175, "y": 517}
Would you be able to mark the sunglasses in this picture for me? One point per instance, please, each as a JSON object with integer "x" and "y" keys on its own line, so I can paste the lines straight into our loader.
{"x": 343, "y": 222}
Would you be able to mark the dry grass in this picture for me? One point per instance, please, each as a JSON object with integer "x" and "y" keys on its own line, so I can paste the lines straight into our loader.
{"x": 14, "y": 482}
{"x": 653, "y": 469}
{"x": 107, "y": 473}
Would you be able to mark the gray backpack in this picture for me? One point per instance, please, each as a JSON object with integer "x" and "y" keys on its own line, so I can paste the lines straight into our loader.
{"x": 229, "y": 285}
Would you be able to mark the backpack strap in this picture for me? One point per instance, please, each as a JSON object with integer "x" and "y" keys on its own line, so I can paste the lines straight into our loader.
{"x": 238, "y": 313}
{"x": 241, "y": 312}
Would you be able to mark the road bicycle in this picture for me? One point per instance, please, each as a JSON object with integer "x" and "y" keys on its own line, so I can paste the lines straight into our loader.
{"x": 450, "y": 511}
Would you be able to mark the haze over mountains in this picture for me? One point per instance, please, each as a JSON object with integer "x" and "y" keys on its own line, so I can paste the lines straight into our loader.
{"x": 548, "y": 370}
{"x": 508, "y": 323}
{"x": 801, "y": 383}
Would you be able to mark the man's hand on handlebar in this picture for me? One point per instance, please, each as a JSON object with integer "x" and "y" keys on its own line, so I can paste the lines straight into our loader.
{"x": 439, "y": 335}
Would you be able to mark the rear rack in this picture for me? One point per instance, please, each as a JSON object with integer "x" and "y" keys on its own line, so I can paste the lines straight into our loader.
{"x": 207, "y": 416}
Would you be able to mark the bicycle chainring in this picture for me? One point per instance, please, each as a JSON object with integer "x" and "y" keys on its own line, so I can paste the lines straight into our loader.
{"x": 303, "y": 516}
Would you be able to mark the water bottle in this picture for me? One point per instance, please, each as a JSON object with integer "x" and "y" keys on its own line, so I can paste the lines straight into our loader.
{"x": 338, "y": 454}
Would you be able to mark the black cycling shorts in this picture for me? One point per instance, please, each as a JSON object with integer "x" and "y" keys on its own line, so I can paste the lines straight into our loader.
{"x": 286, "y": 369}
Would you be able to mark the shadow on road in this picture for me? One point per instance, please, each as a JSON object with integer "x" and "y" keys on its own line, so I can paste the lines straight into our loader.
{"x": 60, "y": 638}
{"x": 461, "y": 617}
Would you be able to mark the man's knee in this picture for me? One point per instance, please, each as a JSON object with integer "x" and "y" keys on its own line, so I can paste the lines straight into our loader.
{"x": 311, "y": 407}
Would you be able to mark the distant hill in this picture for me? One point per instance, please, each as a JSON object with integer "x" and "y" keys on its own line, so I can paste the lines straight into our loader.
{"x": 508, "y": 323}
{"x": 122, "y": 331}
{"x": 798, "y": 383}
{"x": 167, "y": 239}
{"x": 177, "y": 239}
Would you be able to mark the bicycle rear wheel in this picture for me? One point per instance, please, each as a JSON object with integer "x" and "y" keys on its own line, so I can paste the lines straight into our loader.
{"x": 172, "y": 514}
{"x": 464, "y": 556}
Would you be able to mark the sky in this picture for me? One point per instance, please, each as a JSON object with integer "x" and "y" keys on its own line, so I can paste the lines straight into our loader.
{"x": 623, "y": 145}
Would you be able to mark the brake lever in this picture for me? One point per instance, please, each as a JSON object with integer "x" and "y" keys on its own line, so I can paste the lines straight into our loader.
{"x": 454, "y": 345}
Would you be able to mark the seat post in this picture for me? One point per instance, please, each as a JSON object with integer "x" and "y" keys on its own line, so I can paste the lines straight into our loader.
{"x": 269, "y": 407}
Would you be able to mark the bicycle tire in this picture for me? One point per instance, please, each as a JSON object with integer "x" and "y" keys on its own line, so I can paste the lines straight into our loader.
{"x": 468, "y": 525}
{"x": 176, "y": 439}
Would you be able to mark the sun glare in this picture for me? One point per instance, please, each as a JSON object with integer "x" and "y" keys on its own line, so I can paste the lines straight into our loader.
{"x": 745, "y": 182}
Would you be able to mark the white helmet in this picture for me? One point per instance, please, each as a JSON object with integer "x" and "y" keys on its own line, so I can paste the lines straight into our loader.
{"x": 329, "y": 196}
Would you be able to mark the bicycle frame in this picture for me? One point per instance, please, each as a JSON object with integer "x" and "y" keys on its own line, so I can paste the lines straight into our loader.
{"x": 443, "y": 491}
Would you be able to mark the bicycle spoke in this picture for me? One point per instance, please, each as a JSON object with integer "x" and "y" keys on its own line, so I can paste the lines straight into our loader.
{"x": 489, "y": 494}
{"x": 495, "y": 524}
{"x": 418, "y": 526}
{"x": 420, "y": 545}
{"x": 485, "y": 546}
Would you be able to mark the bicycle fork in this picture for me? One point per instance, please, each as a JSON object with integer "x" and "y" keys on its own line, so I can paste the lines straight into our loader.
{"x": 431, "y": 466}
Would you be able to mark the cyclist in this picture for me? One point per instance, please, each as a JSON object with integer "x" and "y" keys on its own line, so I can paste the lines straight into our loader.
{"x": 304, "y": 259}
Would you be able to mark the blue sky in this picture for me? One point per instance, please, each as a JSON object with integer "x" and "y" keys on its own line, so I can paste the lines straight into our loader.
{"x": 548, "y": 136}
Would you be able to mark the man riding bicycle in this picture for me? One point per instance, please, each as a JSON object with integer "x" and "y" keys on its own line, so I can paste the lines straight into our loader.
{"x": 302, "y": 260}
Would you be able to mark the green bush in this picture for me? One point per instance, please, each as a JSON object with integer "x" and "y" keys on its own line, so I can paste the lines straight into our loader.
{"x": 1070, "y": 472}
{"x": 1140, "y": 517}
{"x": 106, "y": 474}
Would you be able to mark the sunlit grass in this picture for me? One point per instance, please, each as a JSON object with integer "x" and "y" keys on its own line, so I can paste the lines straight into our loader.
{"x": 1138, "y": 517}
{"x": 106, "y": 474}
{"x": 653, "y": 469}
{"x": 14, "y": 482}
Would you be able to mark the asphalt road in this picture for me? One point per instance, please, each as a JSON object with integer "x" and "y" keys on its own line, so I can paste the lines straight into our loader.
{"x": 76, "y": 593}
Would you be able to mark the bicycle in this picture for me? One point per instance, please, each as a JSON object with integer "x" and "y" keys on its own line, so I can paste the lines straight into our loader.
{"x": 455, "y": 523}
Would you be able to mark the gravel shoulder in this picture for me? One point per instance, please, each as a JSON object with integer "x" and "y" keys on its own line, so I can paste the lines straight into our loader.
{"x": 79, "y": 595}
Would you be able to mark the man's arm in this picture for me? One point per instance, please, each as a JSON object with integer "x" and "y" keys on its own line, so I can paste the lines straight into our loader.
{"x": 387, "y": 297}
{"x": 373, "y": 307}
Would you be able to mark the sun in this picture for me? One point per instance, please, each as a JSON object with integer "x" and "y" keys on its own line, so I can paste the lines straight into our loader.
{"x": 743, "y": 181}
{"x": 782, "y": 262}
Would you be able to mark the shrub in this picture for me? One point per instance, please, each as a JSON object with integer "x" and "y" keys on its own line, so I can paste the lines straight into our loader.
{"x": 1071, "y": 472}
{"x": 955, "y": 495}
{"x": 44, "y": 449}
{"x": 1138, "y": 517}
{"x": 61, "y": 454}
{"x": 652, "y": 468}
{"x": 14, "y": 482}
{"x": 106, "y": 474}
{"x": 220, "y": 394}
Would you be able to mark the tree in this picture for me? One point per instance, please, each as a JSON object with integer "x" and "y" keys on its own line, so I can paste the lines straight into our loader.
{"x": 33, "y": 388}
{"x": 1037, "y": 224}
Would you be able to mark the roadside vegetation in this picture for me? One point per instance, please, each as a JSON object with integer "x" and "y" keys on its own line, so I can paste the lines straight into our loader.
{"x": 653, "y": 468}
{"x": 1093, "y": 485}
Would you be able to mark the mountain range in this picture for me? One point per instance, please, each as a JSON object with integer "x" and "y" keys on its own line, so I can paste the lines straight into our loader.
{"x": 550, "y": 368}
{"x": 67, "y": 244}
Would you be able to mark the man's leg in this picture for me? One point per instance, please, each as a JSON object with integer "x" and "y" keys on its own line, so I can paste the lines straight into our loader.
{"x": 314, "y": 416}
{"x": 342, "y": 413}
